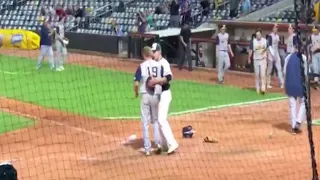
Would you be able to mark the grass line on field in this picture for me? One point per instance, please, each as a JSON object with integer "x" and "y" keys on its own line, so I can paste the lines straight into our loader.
{"x": 205, "y": 108}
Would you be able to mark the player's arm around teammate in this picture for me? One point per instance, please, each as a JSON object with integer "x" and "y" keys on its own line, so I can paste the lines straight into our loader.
{"x": 60, "y": 45}
{"x": 165, "y": 100}
{"x": 274, "y": 56}
{"x": 149, "y": 97}
{"x": 46, "y": 44}
{"x": 223, "y": 49}
{"x": 258, "y": 48}
{"x": 294, "y": 88}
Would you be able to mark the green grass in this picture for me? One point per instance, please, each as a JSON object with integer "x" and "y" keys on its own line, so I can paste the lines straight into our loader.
{"x": 103, "y": 93}
{"x": 10, "y": 122}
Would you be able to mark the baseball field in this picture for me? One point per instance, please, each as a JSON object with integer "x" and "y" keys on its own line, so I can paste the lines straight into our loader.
{"x": 71, "y": 124}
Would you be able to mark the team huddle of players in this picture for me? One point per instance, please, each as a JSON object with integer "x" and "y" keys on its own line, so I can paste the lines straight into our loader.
{"x": 265, "y": 55}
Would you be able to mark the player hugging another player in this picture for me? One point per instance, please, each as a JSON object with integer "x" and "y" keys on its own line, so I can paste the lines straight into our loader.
{"x": 258, "y": 49}
{"x": 294, "y": 86}
{"x": 168, "y": 139}
{"x": 149, "y": 77}
{"x": 61, "y": 43}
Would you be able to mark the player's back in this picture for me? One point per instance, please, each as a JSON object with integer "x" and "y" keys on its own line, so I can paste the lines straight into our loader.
{"x": 150, "y": 68}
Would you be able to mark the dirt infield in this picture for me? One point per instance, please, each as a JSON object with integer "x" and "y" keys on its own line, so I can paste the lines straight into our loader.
{"x": 253, "y": 139}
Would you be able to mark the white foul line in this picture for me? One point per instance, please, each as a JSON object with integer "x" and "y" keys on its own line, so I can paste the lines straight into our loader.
{"x": 57, "y": 123}
{"x": 14, "y": 73}
{"x": 204, "y": 109}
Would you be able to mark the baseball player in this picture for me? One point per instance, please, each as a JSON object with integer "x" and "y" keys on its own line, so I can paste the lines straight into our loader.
{"x": 258, "y": 49}
{"x": 274, "y": 56}
{"x": 294, "y": 88}
{"x": 46, "y": 45}
{"x": 222, "y": 49}
{"x": 315, "y": 53}
{"x": 165, "y": 100}
{"x": 289, "y": 45}
{"x": 60, "y": 45}
{"x": 149, "y": 97}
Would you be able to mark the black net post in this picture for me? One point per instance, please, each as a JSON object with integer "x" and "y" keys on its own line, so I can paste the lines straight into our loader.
{"x": 305, "y": 88}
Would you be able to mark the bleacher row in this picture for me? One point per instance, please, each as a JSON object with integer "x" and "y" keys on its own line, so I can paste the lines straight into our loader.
{"x": 26, "y": 14}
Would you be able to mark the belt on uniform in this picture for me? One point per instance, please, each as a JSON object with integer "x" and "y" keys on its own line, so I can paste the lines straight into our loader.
{"x": 223, "y": 50}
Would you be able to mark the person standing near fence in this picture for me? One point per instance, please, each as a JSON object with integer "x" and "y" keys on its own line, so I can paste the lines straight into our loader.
{"x": 274, "y": 56}
{"x": 61, "y": 47}
{"x": 150, "y": 98}
{"x": 294, "y": 88}
{"x": 185, "y": 46}
{"x": 46, "y": 45}
{"x": 165, "y": 100}
{"x": 223, "y": 49}
{"x": 258, "y": 48}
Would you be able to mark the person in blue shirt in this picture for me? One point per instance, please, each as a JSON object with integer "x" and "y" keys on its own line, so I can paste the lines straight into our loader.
{"x": 46, "y": 44}
{"x": 294, "y": 87}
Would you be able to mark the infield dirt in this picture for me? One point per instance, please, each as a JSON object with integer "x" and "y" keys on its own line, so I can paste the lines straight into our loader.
{"x": 67, "y": 146}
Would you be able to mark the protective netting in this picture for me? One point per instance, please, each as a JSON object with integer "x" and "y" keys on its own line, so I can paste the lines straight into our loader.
{"x": 84, "y": 123}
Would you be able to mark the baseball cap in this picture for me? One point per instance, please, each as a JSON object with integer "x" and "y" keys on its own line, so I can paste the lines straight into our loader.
{"x": 156, "y": 47}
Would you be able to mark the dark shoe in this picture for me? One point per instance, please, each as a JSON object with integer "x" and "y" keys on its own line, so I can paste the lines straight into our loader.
{"x": 263, "y": 93}
{"x": 158, "y": 149}
{"x": 220, "y": 82}
{"x": 293, "y": 131}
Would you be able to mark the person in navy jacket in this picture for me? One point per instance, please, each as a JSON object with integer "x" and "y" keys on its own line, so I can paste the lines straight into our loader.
{"x": 294, "y": 87}
{"x": 46, "y": 45}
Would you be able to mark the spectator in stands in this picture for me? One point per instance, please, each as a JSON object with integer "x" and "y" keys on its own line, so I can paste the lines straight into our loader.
{"x": 205, "y": 7}
{"x": 245, "y": 7}
{"x": 43, "y": 11}
{"x": 164, "y": 9}
{"x": 234, "y": 4}
{"x": 69, "y": 10}
{"x": 117, "y": 29}
{"x": 174, "y": 14}
{"x": 121, "y": 7}
{"x": 186, "y": 12}
{"x": 158, "y": 10}
{"x": 149, "y": 19}
{"x": 185, "y": 46}
{"x": 141, "y": 22}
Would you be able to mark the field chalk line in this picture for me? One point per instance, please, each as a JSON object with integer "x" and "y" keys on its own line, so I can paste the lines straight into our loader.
{"x": 14, "y": 73}
{"x": 205, "y": 108}
{"x": 57, "y": 123}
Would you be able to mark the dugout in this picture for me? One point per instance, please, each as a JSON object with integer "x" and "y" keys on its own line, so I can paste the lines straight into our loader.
{"x": 169, "y": 41}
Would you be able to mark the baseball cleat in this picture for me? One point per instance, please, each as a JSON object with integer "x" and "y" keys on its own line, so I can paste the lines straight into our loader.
{"x": 269, "y": 86}
{"x": 62, "y": 68}
{"x": 172, "y": 148}
{"x": 293, "y": 131}
{"x": 220, "y": 82}
{"x": 159, "y": 149}
{"x": 263, "y": 93}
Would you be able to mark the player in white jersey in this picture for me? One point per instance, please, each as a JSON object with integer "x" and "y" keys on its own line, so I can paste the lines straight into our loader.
{"x": 149, "y": 97}
{"x": 289, "y": 42}
{"x": 315, "y": 53}
{"x": 165, "y": 100}
{"x": 258, "y": 49}
{"x": 60, "y": 44}
{"x": 274, "y": 56}
{"x": 223, "y": 48}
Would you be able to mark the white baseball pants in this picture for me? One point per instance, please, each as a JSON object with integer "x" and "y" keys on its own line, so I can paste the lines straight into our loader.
{"x": 275, "y": 60}
{"x": 260, "y": 70}
{"x": 163, "y": 109}
{"x": 296, "y": 116}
